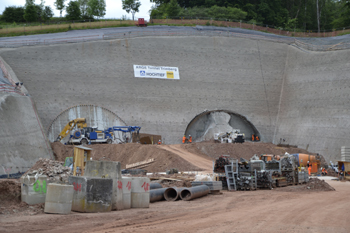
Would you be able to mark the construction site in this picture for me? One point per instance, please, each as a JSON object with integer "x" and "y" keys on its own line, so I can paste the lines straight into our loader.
{"x": 180, "y": 129}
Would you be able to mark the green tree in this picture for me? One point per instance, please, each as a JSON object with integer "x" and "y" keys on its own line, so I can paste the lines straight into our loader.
{"x": 73, "y": 11}
{"x": 47, "y": 13}
{"x": 342, "y": 12}
{"x": 13, "y": 14}
{"x": 30, "y": 13}
{"x": 131, "y": 6}
{"x": 83, "y": 8}
{"x": 96, "y": 8}
{"x": 173, "y": 9}
{"x": 60, "y": 5}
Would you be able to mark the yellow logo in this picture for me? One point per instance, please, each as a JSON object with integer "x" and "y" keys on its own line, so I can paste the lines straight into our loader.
{"x": 170, "y": 74}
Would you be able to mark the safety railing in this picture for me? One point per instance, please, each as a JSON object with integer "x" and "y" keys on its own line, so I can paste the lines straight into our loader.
{"x": 188, "y": 32}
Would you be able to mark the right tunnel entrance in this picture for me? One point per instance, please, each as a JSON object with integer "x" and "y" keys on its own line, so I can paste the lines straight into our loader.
{"x": 205, "y": 125}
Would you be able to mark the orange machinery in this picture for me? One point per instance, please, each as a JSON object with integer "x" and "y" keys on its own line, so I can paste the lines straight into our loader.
{"x": 314, "y": 160}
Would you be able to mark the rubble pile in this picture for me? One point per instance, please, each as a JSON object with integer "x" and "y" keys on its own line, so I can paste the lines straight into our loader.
{"x": 55, "y": 170}
{"x": 318, "y": 185}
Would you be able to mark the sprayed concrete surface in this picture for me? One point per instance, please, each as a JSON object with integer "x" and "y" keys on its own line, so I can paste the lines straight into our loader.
{"x": 244, "y": 79}
{"x": 22, "y": 139}
{"x": 283, "y": 92}
{"x": 22, "y": 142}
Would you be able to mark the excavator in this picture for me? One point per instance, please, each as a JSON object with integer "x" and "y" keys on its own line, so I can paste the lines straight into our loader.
{"x": 79, "y": 123}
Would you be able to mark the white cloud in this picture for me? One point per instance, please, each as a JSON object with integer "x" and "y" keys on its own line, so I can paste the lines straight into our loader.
{"x": 113, "y": 8}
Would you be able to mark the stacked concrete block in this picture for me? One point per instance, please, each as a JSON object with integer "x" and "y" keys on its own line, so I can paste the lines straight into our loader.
{"x": 91, "y": 194}
{"x": 111, "y": 170}
{"x": 33, "y": 189}
{"x": 213, "y": 185}
{"x": 345, "y": 153}
{"x": 59, "y": 198}
{"x": 140, "y": 196}
{"x": 127, "y": 192}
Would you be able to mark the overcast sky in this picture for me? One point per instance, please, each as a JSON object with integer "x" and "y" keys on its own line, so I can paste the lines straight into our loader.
{"x": 113, "y": 8}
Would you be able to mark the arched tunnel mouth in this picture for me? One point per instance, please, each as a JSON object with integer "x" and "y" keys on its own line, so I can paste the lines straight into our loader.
{"x": 203, "y": 126}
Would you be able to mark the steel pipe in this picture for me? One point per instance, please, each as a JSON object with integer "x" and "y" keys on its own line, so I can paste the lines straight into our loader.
{"x": 155, "y": 186}
{"x": 194, "y": 192}
{"x": 173, "y": 193}
{"x": 157, "y": 194}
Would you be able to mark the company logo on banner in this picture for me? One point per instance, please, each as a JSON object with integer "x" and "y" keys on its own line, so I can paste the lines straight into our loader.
{"x": 162, "y": 72}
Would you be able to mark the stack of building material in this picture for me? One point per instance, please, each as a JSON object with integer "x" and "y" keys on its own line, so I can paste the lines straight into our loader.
{"x": 345, "y": 153}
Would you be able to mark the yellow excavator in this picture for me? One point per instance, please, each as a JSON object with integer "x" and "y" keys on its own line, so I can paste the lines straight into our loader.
{"x": 79, "y": 123}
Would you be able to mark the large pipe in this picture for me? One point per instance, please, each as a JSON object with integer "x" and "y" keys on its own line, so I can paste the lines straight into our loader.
{"x": 172, "y": 194}
{"x": 157, "y": 194}
{"x": 155, "y": 186}
{"x": 194, "y": 192}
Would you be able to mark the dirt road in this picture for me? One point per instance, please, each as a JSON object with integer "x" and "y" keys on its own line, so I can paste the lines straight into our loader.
{"x": 192, "y": 158}
{"x": 256, "y": 211}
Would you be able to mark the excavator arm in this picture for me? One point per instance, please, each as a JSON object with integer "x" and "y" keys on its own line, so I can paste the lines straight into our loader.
{"x": 79, "y": 122}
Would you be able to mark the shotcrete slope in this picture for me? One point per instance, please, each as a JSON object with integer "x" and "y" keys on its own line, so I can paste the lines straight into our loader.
{"x": 246, "y": 79}
{"x": 283, "y": 91}
{"x": 315, "y": 101}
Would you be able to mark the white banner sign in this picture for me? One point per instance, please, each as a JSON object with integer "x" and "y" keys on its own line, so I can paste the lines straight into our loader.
{"x": 163, "y": 72}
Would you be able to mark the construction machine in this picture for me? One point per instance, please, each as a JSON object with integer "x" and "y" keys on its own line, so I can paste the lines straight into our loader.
{"x": 230, "y": 137}
{"x": 76, "y": 123}
{"x": 87, "y": 135}
{"x": 91, "y": 135}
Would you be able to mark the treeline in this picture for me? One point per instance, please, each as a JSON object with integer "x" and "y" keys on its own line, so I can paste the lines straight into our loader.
{"x": 291, "y": 14}
{"x": 76, "y": 10}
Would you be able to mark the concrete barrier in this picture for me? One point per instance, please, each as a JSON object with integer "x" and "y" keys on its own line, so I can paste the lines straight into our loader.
{"x": 33, "y": 191}
{"x": 140, "y": 196}
{"x": 59, "y": 199}
{"x": 127, "y": 192}
{"x": 111, "y": 170}
{"x": 91, "y": 194}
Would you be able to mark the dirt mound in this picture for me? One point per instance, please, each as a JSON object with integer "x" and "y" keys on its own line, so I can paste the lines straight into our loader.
{"x": 128, "y": 154}
{"x": 331, "y": 172}
{"x": 10, "y": 200}
{"x": 314, "y": 184}
{"x": 166, "y": 158}
{"x": 10, "y": 192}
{"x": 239, "y": 150}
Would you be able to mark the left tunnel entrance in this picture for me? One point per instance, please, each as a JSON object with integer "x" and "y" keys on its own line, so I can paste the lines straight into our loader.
{"x": 96, "y": 116}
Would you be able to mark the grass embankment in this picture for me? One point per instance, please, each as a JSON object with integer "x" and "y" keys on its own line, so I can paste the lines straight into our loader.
{"x": 64, "y": 27}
